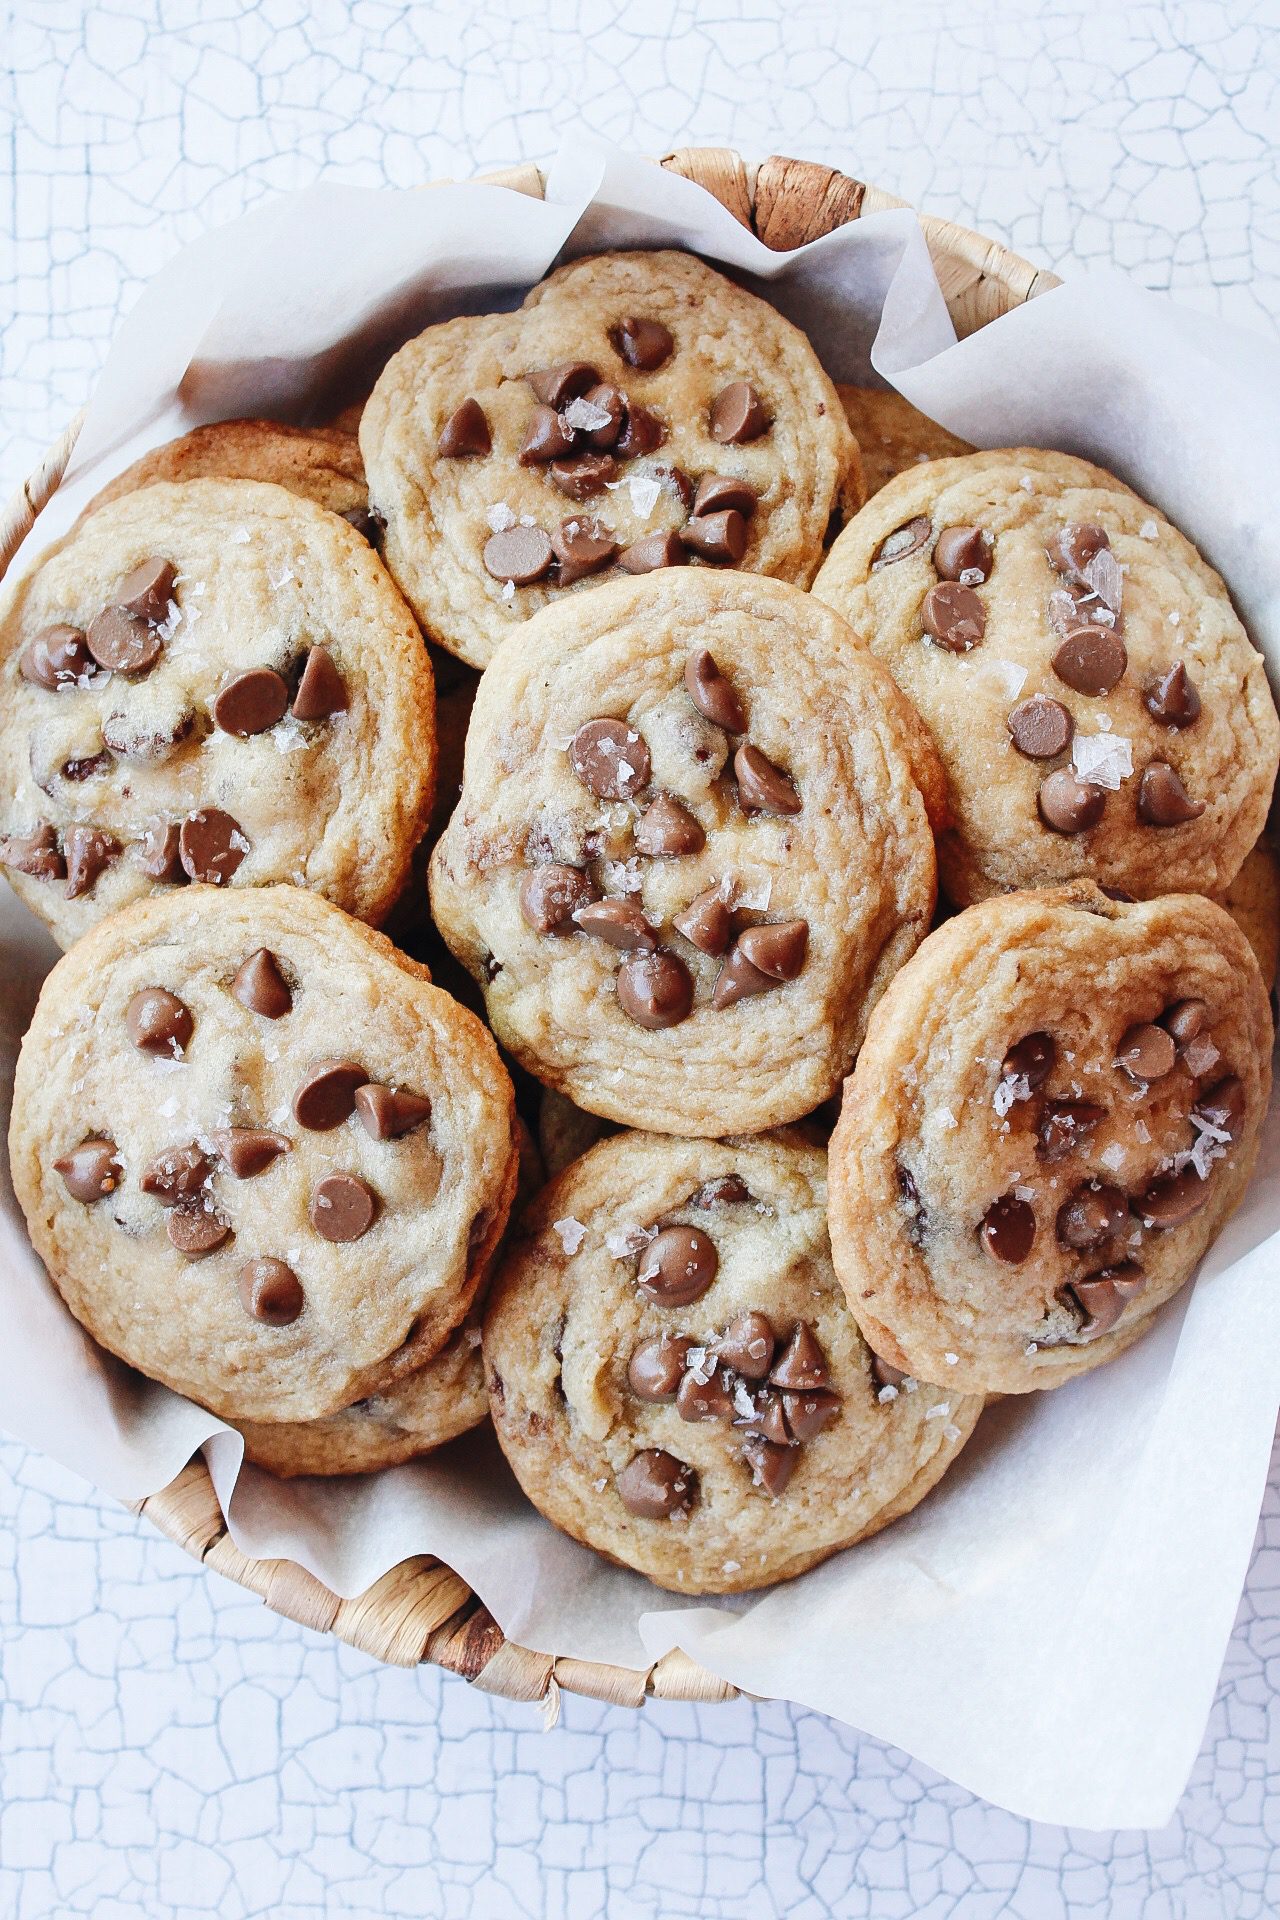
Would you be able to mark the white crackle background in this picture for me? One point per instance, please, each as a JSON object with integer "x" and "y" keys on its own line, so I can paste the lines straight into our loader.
{"x": 167, "y": 1747}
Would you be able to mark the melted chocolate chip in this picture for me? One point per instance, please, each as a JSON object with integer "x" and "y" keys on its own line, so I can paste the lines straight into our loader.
{"x": 677, "y": 1266}
{"x": 644, "y": 344}
{"x": 771, "y": 1466}
{"x": 1093, "y": 1214}
{"x": 546, "y": 438}
{"x": 567, "y": 380}
{"x": 176, "y": 1174}
{"x": 1184, "y": 1020}
{"x": 582, "y": 477}
{"x": 1171, "y": 696}
{"x": 803, "y": 1365}
{"x": 902, "y": 542}
{"x": 249, "y": 1151}
{"x": 610, "y": 400}
{"x": 252, "y": 702}
{"x": 619, "y": 922}
{"x": 1031, "y": 1058}
{"x": 58, "y": 656}
{"x": 322, "y": 691}
{"x": 36, "y": 853}
{"x": 388, "y": 1112}
{"x": 953, "y": 616}
{"x": 1040, "y": 728}
{"x": 327, "y": 1096}
{"x": 1222, "y": 1106}
{"x": 342, "y": 1207}
{"x": 654, "y": 1485}
{"x": 653, "y": 551}
{"x": 667, "y": 830}
{"x": 161, "y": 859}
{"x": 610, "y": 759}
{"x": 719, "y": 493}
{"x": 260, "y": 986}
{"x": 655, "y": 990}
{"x": 271, "y": 1291}
{"x": 156, "y": 1021}
{"x": 551, "y": 895}
{"x": 1008, "y": 1229}
{"x": 1070, "y": 805}
{"x": 87, "y": 852}
{"x": 762, "y": 787}
{"x": 884, "y": 1374}
{"x": 808, "y": 1413}
{"x": 717, "y": 536}
{"x": 1103, "y": 1297}
{"x": 767, "y": 1419}
{"x": 1091, "y": 660}
{"x": 712, "y": 694}
{"x": 122, "y": 642}
{"x": 917, "y": 1221}
{"x": 520, "y": 554}
{"x": 582, "y": 547}
{"x": 92, "y": 1170}
{"x": 655, "y": 1370}
{"x": 1071, "y": 550}
{"x": 1146, "y": 1053}
{"x": 465, "y": 433}
{"x": 1171, "y": 1199}
{"x": 706, "y": 922}
{"x": 738, "y": 414}
{"x": 778, "y": 948}
{"x": 704, "y": 1399}
{"x": 133, "y": 738}
{"x": 1163, "y": 801}
{"x": 1065, "y": 1125}
{"x": 194, "y": 1230}
{"x": 747, "y": 1344}
{"x": 643, "y": 432}
{"x": 962, "y": 550}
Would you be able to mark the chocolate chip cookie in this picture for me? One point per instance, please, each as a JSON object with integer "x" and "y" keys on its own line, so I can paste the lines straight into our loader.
{"x": 319, "y": 463}
{"x": 692, "y": 848}
{"x": 1055, "y": 1109}
{"x": 212, "y": 681}
{"x": 638, "y": 412}
{"x": 263, "y": 1159}
{"x": 676, "y": 1380}
{"x": 1098, "y": 707}
{"x": 892, "y": 434}
{"x": 1253, "y": 901}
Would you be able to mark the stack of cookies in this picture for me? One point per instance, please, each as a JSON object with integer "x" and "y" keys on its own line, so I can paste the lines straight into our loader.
{"x": 644, "y": 687}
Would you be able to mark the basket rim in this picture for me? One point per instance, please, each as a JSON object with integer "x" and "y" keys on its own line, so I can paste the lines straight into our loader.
{"x": 420, "y": 1612}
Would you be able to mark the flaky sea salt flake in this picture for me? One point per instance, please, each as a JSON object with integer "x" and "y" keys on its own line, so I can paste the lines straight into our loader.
{"x": 1106, "y": 759}
{"x": 572, "y": 1233}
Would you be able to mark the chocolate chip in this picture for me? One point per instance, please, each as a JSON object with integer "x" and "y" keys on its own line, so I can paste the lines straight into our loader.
{"x": 610, "y": 400}
{"x": 582, "y": 547}
{"x": 521, "y": 554}
{"x": 249, "y": 1151}
{"x": 342, "y": 1207}
{"x": 771, "y": 1466}
{"x": 726, "y": 1190}
{"x": 1103, "y": 1297}
{"x": 1171, "y": 696}
{"x": 643, "y": 432}
{"x": 564, "y": 382}
{"x": 655, "y": 990}
{"x": 1163, "y": 801}
{"x": 652, "y": 551}
{"x": 767, "y": 1419}
{"x": 122, "y": 642}
{"x": 1172, "y": 1199}
{"x": 148, "y": 590}
{"x": 252, "y": 702}
{"x": 1031, "y": 1058}
{"x": 717, "y": 536}
{"x": 1008, "y": 1229}
{"x": 176, "y": 1174}
{"x": 465, "y": 433}
{"x": 777, "y": 949}
{"x": 885, "y": 1375}
{"x": 387, "y": 1112}
{"x": 803, "y": 1365}
{"x": 654, "y": 1485}
{"x": 211, "y": 846}
{"x": 1071, "y": 550}
{"x": 1091, "y": 660}
{"x": 322, "y": 691}
{"x": 271, "y": 1291}
{"x": 712, "y": 694}
{"x": 747, "y": 1345}
{"x": 546, "y": 438}
{"x": 87, "y": 851}
{"x": 58, "y": 657}
{"x": 92, "y": 1170}
{"x": 808, "y": 1413}
{"x": 327, "y": 1096}
{"x": 85, "y": 768}
{"x": 677, "y": 1266}
{"x": 762, "y": 787}
{"x": 961, "y": 550}
{"x": 160, "y": 856}
{"x": 619, "y": 922}
{"x": 36, "y": 853}
{"x": 1075, "y": 605}
{"x": 718, "y": 493}
{"x": 680, "y": 484}
{"x": 656, "y": 1369}
{"x": 902, "y": 541}
{"x": 1065, "y": 1125}
{"x": 133, "y": 738}
{"x": 738, "y": 414}
{"x": 368, "y": 523}
{"x": 1041, "y": 728}
{"x": 158, "y": 1022}
{"x": 706, "y": 922}
{"x": 954, "y": 616}
{"x": 666, "y": 830}
{"x": 739, "y": 980}
{"x": 1222, "y": 1106}
{"x": 1146, "y": 1053}
{"x": 610, "y": 759}
{"x": 1184, "y": 1019}
{"x": 1069, "y": 805}
{"x": 704, "y": 1399}
{"x": 1092, "y": 1214}
{"x": 260, "y": 986}
{"x": 194, "y": 1230}
{"x": 642, "y": 343}
{"x": 586, "y": 475}
{"x": 550, "y": 895}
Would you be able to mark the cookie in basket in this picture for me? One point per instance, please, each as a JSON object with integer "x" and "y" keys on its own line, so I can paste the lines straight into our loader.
{"x": 892, "y": 434}
{"x": 319, "y": 463}
{"x": 1098, "y": 707}
{"x": 639, "y": 411}
{"x": 263, "y": 1159}
{"x": 692, "y": 848}
{"x": 1055, "y": 1109}
{"x": 676, "y": 1379}
{"x": 212, "y": 681}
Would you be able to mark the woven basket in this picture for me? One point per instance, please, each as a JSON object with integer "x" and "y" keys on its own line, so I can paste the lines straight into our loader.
{"x": 420, "y": 1610}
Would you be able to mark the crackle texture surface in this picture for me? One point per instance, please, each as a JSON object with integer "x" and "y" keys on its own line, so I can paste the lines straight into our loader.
{"x": 170, "y": 1747}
